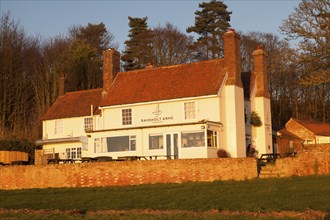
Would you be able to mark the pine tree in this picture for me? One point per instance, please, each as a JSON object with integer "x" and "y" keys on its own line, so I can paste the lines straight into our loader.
{"x": 138, "y": 50}
{"x": 210, "y": 23}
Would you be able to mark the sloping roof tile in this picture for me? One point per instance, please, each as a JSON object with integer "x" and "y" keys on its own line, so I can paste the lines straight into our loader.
{"x": 286, "y": 133}
{"x": 318, "y": 128}
{"x": 75, "y": 104}
{"x": 164, "y": 83}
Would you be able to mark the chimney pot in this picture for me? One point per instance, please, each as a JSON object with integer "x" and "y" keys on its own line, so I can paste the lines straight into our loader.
{"x": 232, "y": 30}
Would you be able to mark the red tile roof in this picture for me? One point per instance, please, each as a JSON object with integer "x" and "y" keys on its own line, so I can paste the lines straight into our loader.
{"x": 286, "y": 133}
{"x": 164, "y": 83}
{"x": 318, "y": 128}
{"x": 75, "y": 104}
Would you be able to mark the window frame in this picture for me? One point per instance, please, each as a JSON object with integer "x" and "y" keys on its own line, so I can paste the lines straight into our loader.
{"x": 88, "y": 123}
{"x": 189, "y": 110}
{"x": 59, "y": 127}
{"x": 131, "y": 144}
{"x": 212, "y": 140}
{"x": 73, "y": 153}
{"x": 193, "y": 139}
{"x": 126, "y": 116}
{"x": 160, "y": 136}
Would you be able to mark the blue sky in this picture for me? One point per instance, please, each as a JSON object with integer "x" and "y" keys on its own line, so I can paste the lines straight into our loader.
{"x": 50, "y": 18}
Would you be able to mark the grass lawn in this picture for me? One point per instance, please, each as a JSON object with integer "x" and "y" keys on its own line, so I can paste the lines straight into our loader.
{"x": 296, "y": 194}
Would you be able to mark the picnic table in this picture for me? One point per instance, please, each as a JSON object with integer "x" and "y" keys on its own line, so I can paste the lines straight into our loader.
{"x": 155, "y": 157}
{"x": 59, "y": 160}
{"x": 88, "y": 159}
{"x": 131, "y": 158}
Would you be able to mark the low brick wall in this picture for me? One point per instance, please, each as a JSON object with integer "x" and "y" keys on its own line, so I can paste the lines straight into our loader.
{"x": 310, "y": 160}
{"x": 126, "y": 173}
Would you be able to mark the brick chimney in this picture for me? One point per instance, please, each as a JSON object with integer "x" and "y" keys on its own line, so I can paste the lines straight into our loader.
{"x": 232, "y": 57}
{"x": 61, "y": 86}
{"x": 260, "y": 70}
{"x": 111, "y": 66}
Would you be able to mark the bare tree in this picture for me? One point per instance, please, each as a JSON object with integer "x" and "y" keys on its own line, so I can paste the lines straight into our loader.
{"x": 18, "y": 64}
{"x": 170, "y": 46}
{"x": 310, "y": 25}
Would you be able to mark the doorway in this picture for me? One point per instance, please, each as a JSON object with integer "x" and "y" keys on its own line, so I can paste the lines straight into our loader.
{"x": 172, "y": 145}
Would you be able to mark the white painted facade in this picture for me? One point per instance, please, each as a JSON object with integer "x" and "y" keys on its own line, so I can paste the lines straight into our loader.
{"x": 234, "y": 123}
{"x": 194, "y": 126}
{"x": 322, "y": 139}
{"x": 67, "y": 137}
{"x": 164, "y": 120}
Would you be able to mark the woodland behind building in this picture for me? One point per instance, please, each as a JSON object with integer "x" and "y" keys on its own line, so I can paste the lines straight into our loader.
{"x": 30, "y": 66}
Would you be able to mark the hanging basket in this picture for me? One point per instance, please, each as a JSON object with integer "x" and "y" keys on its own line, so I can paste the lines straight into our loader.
{"x": 255, "y": 119}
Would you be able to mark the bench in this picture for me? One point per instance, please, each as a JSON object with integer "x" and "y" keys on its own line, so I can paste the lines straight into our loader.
{"x": 266, "y": 159}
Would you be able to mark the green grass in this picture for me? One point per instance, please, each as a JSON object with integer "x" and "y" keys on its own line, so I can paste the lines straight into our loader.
{"x": 134, "y": 217}
{"x": 260, "y": 195}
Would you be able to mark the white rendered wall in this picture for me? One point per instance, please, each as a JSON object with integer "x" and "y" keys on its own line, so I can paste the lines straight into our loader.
{"x": 263, "y": 135}
{"x": 170, "y": 112}
{"x": 234, "y": 126}
{"x": 142, "y": 142}
{"x": 60, "y": 148}
{"x": 72, "y": 127}
{"x": 322, "y": 139}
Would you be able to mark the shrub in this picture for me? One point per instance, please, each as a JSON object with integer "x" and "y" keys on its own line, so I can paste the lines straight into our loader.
{"x": 222, "y": 153}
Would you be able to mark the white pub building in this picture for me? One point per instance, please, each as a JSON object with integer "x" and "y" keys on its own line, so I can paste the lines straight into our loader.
{"x": 182, "y": 111}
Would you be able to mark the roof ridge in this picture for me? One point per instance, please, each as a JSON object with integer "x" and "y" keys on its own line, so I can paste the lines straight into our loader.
{"x": 310, "y": 121}
{"x": 86, "y": 90}
{"x": 172, "y": 66}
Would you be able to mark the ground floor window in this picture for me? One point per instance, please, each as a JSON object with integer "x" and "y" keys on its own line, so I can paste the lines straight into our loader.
{"x": 73, "y": 153}
{"x": 212, "y": 138}
{"x": 193, "y": 139}
{"x": 156, "y": 141}
{"x": 121, "y": 143}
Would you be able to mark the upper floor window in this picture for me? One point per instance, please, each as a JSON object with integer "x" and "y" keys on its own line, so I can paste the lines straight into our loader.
{"x": 127, "y": 116}
{"x": 59, "y": 127}
{"x": 88, "y": 123}
{"x": 189, "y": 110}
